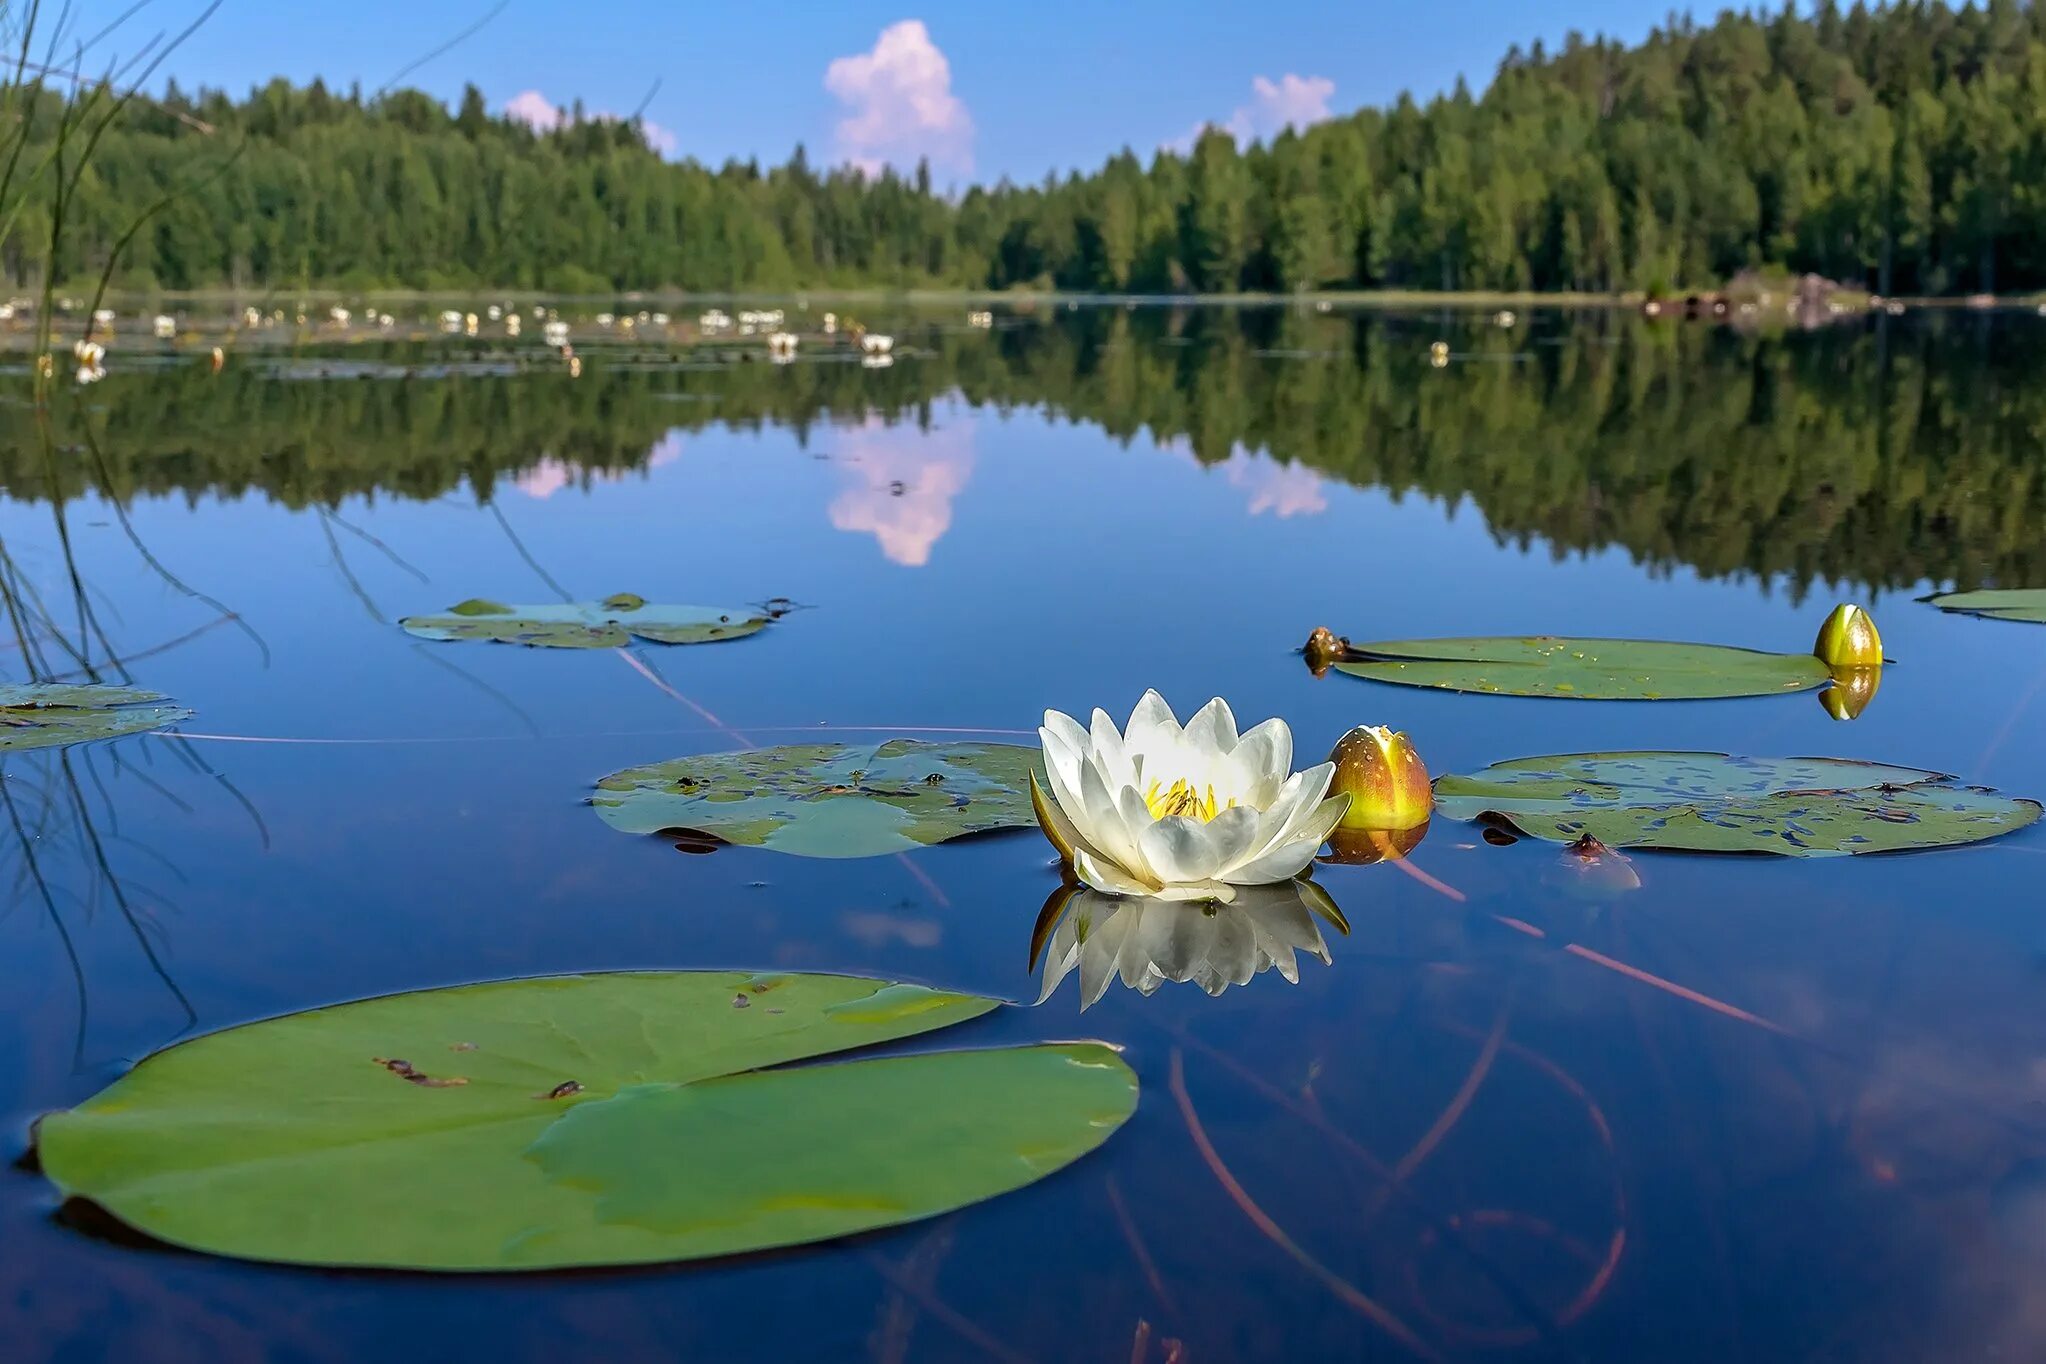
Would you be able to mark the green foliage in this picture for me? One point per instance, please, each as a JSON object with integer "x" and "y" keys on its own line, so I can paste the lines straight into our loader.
{"x": 1584, "y": 669}
{"x": 578, "y": 1120}
{"x": 1898, "y": 152}
{"x": 608, "y": 624}
{"x": 2005, "y": 603}
{"x": 47, "y": 714}
{"x": 1709, "y": 802}
{"x": 828, "y": 800}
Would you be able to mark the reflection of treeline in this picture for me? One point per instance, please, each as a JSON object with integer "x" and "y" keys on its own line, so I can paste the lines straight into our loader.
{"x": 1877, "y": 456}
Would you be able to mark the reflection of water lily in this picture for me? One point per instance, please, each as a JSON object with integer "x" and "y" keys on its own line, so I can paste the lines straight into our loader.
{"x": 1147, "y": 942}
{"x": 1181, "y": 814}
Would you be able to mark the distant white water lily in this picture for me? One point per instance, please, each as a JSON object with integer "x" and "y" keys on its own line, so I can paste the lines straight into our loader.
{"x": 166, "y": 325}
{"x": 1181, "y": 814}
{"x": 1146, "y": 943}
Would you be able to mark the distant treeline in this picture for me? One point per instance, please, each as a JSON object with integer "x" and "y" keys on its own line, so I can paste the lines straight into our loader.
{"x": 1881, "y": 455}
{"x": 1901, "y": 147}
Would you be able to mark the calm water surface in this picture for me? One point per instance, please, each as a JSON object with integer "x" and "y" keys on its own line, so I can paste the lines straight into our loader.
{"x": 1760, "y": 1110}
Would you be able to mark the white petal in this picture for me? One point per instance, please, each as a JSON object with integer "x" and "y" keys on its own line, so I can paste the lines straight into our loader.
{"x": 1234, "y": 833}
{"x": 1152, "y": 729}
{"x": 1063, "y": 829}
{"x": 1213, "y": 728}
{"x": 1178, "y": 849}
{"x": 1106, "y": 877}
{"x": 1282, "y": 863}
{"x": 1062, "y": 772}
{"x": 1221, "y": 892}
{"x": 1108, "y": 752}
{"x": 1261, "y": 761}
{"x": 1294, "y": 797}
{"x": 1104, "y": 826}
{"x": 1067, "y": 730}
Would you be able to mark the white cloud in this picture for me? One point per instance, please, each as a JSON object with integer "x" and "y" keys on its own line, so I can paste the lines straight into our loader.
{"x": 533, "y": 109}
{"x": 542, "y": 115}
{"x": 1291, "y": 101}
{"x": 900, "y": 104}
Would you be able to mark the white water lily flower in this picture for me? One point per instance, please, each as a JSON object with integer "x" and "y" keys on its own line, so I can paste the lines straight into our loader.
{"x": 1181, "y": 814}
{"x": 1145, "y": 943}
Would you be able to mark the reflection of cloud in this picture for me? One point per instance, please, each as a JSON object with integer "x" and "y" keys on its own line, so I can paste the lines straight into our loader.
{"x": 900, "y": 103}
{"x": 1289, "y": 102}
{"x": 539, "y": 113}
{"x": 1289, "y": 489}
{"x": 905, "y": 482}
{"x": 551, "y": 475}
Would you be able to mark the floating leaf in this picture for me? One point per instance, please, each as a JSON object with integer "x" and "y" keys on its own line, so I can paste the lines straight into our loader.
{"x": 1583, "y": 669}
{"x": 1709, "y": 802}
{"x": 828, "y": 800}
{"x": 608, "y": 624}
{"x": 2002, "y": 603}
{"x": 577, "y": 1120}
{"x": 43, "y": 714}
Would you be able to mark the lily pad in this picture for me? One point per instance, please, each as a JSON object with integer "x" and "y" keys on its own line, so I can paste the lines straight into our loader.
{"x": 2001, "y": 603}
{"x": 46, "y": 714}
{"x": 828, "y": 800}
{"x": 1584, "y": 669}
{"x": 577, "y": 1120}
{"x": 608, "y": 624}
{"x": 1709, "y": 802}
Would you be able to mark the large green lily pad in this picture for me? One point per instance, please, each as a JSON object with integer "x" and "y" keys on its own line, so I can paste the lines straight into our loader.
{"x": 45, "y": 714}
{"x": 828, "y": 800}
{"x": 1709, "y": 802}
{"x": 608, "y": 624}
{"x": 2002, "y": 603}
{"x": 1584, "y": 669}
{"x": 577, "y": 1120}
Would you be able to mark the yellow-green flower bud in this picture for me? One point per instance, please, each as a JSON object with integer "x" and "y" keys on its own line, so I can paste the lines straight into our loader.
{"x": 1384, "y": 778}
{"x": 1848, "y": 639}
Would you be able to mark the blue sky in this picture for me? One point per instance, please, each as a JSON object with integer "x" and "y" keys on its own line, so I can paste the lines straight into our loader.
{"x": 986, "y": 90}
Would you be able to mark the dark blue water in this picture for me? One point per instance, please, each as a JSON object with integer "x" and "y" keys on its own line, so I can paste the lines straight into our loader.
{"x": 1753, "y": 1109}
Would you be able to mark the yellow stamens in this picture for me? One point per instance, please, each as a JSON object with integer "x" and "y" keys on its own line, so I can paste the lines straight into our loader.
{"x": 1181, "y": 798}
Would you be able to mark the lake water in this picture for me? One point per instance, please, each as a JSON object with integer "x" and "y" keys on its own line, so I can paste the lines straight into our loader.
{"x": 1754, "y": 1109}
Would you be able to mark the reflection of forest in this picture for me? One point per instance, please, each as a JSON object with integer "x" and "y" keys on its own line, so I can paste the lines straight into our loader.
{"x": 1875, "y": 454}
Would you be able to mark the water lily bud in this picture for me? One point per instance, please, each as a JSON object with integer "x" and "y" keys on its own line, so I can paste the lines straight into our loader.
{"x": 1323, "y": 647}
{"x": 1383, "y": 776}
{"x": 1848, "y": 639}
{"x": 1365, "y": 847}
{"x": 1852, "y": 690}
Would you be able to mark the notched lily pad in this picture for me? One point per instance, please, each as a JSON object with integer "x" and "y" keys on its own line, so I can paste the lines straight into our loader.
{"x": 1710, "y": 802}
{"x": 827, "y": 800}
{"x": 578, "y": 1120}
{"x": 1582, "y": 669}
{"x": 608, "y": 624}
{"x": 46, "y": 714}
{"x": 2000, "y": 603}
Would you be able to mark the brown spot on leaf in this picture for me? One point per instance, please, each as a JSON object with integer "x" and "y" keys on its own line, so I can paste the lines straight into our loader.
{"x": 405, "y": 1070}
{"x": 562, "y": 1090}
{"x": 461, "y": 1046}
